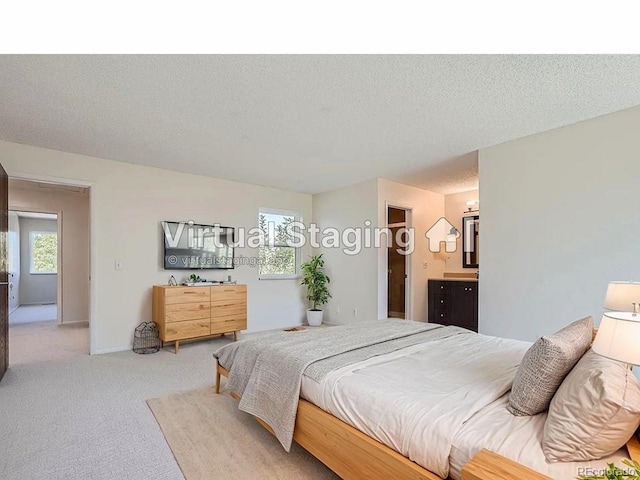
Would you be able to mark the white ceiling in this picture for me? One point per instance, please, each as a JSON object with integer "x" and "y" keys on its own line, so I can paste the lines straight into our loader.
{"x": 305, "y": 123}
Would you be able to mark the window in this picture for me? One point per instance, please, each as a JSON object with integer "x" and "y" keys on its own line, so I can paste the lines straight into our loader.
{"x": 277, "y": 258}
{"x": 44, "y": 253}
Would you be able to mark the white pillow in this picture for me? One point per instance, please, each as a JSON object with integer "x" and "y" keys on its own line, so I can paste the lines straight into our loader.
{"x": 594, "y": 413}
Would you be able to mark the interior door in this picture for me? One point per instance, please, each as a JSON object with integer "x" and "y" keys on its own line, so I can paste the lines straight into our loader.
{"x": 4, "y": 274}
{"x": 397, "y": 278}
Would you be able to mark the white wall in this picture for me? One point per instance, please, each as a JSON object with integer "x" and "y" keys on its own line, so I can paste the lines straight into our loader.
{"x": 14, "y": 261}
{"x": 127, "y": 203}
{"x": 353, "y": 277}
{"x": 560, "y": 219}
{"x": 360, "y": 281}
{"x": 426, "y": 209}
{"x": 35, "y": 288}
{"x": 73, "y": 211}
{"x": 455, "y": 206}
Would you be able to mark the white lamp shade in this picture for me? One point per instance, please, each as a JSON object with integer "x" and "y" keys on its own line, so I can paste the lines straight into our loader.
{"x": 618, "y": 337}
{"x": 621, "y": 296}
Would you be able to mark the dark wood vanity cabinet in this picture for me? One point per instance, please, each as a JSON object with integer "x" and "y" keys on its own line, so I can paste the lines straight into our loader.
{"x": 453, "y": 302}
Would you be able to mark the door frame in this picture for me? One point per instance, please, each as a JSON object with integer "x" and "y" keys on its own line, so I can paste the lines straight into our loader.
{"x": 92, "y": 256}
{"x": 408, "y": 291}
{"x": 60, "y": 273}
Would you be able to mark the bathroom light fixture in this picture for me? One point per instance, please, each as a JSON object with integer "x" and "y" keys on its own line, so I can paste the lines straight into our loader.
{"x": 471, "y": 204}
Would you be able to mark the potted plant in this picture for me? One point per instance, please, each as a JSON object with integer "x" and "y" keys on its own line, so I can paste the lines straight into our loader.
{"x": 632, "y": 472}
{"x": 314, "y": 278}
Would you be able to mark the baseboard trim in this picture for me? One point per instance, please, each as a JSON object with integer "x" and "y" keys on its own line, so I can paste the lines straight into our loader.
{"x": 37, "y": 304}
{"x": 103, "y": 351}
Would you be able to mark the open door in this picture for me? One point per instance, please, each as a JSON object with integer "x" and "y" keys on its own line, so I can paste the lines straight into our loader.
{"x": 4, "y": 275}
{"x": 397, "y": 266}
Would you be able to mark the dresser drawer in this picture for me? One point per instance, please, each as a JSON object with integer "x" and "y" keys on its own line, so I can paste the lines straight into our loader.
{"x": 187, "y": 295}
{"x": 229, "y": 309}
{"x": 442, "y": 317}
{"x": 228, "y": 295}
{"x": 439, "y": 287}
{"x": 186, "y": 329}
{"x": 440, "y": 301}
{"x": 179, "y": 312}
{"x": 228, "y": 323}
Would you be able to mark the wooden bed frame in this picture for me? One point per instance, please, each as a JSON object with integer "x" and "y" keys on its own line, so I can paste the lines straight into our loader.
{"x": 355, "y": 456}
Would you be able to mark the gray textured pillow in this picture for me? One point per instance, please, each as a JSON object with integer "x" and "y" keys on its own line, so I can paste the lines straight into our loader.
{"x": 545, "y": 365}
{"x": 594, "y": 412}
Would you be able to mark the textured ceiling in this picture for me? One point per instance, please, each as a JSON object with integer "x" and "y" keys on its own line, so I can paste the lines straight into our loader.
{"x": 305, "y": 123}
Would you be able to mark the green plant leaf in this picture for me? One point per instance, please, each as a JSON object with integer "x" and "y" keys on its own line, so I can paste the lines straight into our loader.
{"x": 316, "y": 280}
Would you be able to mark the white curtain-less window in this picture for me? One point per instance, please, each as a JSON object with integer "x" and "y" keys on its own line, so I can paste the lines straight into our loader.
{"x": 277, "y": 259}
{"x": 44, "y": 253}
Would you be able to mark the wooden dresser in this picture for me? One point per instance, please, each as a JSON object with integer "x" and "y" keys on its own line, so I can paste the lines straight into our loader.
{"x": 453, "y": 302}
{"x": 192, "y": 312}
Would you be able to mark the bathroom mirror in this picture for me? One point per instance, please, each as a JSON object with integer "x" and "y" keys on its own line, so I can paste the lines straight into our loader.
{"x": 471, "y": 242}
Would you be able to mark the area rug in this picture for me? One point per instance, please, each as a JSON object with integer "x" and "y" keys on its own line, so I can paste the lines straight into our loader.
{"x": 211, "y": 439}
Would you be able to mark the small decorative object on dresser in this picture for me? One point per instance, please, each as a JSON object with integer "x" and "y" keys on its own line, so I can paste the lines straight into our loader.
{"x": 196, "y": 312}
{"x": 453, "y": 302}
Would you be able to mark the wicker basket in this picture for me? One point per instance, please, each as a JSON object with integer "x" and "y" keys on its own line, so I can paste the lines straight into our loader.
{"x": 146, "y": 338}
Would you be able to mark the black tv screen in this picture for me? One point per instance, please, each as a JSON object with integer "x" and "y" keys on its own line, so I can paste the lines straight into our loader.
{"x": 188, "y": 246}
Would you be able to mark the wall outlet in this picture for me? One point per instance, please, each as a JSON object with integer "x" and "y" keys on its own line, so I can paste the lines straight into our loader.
{"x": 425, "y": 265}
{"x": 355, "y": 312}
{"x": 118, "y": 264}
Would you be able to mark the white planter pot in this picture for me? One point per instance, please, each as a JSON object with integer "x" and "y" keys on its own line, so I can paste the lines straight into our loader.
{"x": 314, "y": 318}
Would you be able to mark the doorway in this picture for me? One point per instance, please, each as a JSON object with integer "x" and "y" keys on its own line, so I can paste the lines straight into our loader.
{"x": 48, "y": 264}
{"x": 397, "y": 264}
{"x": 34, "y": 266}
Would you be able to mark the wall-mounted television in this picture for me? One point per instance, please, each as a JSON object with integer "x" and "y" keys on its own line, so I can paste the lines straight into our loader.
{"x": 188, "y": 246}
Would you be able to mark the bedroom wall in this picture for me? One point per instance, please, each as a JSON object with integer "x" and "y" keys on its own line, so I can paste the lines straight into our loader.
{"x": 35, "y": 289}
{"x": 426, "y": 209}
{"x": 127, "y": 203}
{"x": 73, "y": 210}
{"x": 353, "y": 277}
{"x": 559, "y": 221}
{"x": 455, "y": 205}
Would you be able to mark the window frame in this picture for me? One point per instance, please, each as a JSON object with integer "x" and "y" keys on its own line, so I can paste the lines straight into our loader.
{"x": 297, "y": 217}
{"x": 32, "y": 235}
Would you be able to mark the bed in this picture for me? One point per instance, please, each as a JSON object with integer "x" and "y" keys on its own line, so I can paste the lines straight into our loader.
{"x": 435, "y": 398}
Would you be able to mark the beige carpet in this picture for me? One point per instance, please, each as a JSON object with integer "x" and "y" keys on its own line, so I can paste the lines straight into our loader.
{"x": 211, "y": 439}
{"x": 47, "y": 341}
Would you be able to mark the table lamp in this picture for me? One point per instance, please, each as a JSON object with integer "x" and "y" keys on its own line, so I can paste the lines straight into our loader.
{"x": 623, "y": 297}
{"x": 618, "y": 336}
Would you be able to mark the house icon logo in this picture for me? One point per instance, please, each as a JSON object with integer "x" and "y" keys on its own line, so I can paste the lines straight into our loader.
{"x": 442, "y": 232}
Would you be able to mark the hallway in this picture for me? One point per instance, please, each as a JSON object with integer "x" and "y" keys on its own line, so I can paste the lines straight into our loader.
{"x": 34, "y": 313}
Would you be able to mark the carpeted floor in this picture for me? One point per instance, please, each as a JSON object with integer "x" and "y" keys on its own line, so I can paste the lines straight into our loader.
{"x": 212, "y": 439}
{"x": 34, "y": 313}
{"x": 85, "y": 417}
{"x": 45, "y": 341}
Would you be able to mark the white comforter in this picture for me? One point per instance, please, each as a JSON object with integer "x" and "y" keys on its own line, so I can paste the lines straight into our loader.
{"x": 417, "y": 400}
